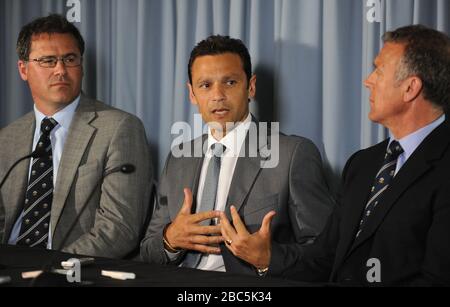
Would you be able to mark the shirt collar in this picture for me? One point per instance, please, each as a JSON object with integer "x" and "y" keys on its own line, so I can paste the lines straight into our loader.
{"x": 63, "y": 117}
{"x": 412, "y": 141}
{"x": 233, "y": 140}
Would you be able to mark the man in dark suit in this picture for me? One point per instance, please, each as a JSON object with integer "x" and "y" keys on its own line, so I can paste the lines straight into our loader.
{"x": 267, "y": 210}
{"x": 392, "y": 226}
{"x": 76, "y": 179}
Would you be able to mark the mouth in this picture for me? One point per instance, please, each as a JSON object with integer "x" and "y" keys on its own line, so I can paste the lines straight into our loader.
{"x": 220, "y": 111}
{"x": 59, "y": 84}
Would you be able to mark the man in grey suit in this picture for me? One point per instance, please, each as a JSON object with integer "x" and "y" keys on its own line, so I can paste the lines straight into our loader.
{"x": 92, "y": 169}
{"x": 266, "y": 212}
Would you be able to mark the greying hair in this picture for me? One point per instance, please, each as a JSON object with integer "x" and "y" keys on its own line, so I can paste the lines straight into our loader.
{"x": 427, "y": 56}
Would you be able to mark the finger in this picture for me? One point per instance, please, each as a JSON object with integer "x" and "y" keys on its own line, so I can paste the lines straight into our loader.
{"x": 206, "y": 230}
{"x": 266, "y": 223}
{"x": 206, "y": 215}
{"x": 229, "y": 244}
{"x": 227, "y": 229}
{"x": 187, "y": 204}
{"x": 230, "y": 247}
{"x": 206, "y": 240}
{"x": 205, "y": 249}
{"x": 237, "y": 222}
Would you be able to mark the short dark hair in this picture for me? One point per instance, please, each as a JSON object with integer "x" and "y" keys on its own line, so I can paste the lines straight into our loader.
{"x": 53, "y": 23}
{"x": 427, "y": 56}
{"x": 218, "y": 44}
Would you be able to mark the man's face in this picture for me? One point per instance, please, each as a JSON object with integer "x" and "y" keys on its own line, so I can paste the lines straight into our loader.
{"x": 220, "y": 89}
{"x": 386, "y": 93}
{"x": 52, "y": 88}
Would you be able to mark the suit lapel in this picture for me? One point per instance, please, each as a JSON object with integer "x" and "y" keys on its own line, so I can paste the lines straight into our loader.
{"x": 192, "y": 167}
{"x": 417, "y": 165}
{"x": 357, "y": 200}
{"x": 246, "y": 171}
{"x": 16, "y": 185}
{"x": 78, "y": 138}
{"x": 400, "y": 183}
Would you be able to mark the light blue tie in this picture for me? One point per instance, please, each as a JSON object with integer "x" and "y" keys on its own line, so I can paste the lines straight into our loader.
{"x": 209, "y": 195}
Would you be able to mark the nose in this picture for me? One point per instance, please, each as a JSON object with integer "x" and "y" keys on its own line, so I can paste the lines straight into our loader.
{"x": 60, "y": 68}
{"x": 368, "y": 82}
{"x": 218, "y": 93}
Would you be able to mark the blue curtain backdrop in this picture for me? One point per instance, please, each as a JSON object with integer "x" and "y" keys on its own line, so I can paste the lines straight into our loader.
{"x": 310, "y": 57}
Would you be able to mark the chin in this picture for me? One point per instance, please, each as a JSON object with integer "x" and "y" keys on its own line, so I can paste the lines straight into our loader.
{"x": 218, "y": 121}
{"x": 374, "y": 118}
{"x": 64, "y": 99}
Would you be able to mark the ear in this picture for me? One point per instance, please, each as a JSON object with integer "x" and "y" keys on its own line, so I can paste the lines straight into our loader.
{"x": 23, "y": 70}
{"x": 413, "y": 88}
{"x": 252, "y": 87}
{"x": 192, "y": 97}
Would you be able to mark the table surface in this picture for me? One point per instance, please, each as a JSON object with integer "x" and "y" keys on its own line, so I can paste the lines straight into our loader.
{"x": 17, "y": 259}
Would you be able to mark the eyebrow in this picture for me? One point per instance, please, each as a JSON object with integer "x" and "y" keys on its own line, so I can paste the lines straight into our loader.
{"x": 201, "y": 80}
{"x": 231, "y": 76}
{"x": 54, "y": 56}
{"x": 226, "y": 77}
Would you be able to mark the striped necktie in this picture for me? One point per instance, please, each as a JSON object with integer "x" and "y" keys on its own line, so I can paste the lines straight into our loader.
{"x": 39, "y": 195}
{"x": 382, "y": 180}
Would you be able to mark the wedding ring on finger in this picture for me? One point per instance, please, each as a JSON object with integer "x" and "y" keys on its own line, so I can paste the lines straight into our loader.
{"x": 228, "y": 242}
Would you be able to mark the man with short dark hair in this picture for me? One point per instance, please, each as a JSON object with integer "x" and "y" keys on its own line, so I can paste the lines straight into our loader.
{"x": 76, "y": 178}
{"x": 392, "y": 226}
{"x": 266, "y": 212}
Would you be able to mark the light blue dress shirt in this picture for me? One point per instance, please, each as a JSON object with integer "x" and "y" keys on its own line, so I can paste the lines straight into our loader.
{"x": 410, "y": 142}
{"x": 58, "y": 137}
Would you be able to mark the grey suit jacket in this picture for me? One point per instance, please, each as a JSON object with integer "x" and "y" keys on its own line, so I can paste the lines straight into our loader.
{"x": 100, "y": 139}
{"x": 295, "y": 189}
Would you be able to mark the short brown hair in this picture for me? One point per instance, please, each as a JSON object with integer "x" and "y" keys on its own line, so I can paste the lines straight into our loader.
{"x": 53, "y": 23}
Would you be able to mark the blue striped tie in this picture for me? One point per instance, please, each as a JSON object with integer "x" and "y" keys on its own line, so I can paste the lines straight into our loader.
{"x": 382, "y": 180}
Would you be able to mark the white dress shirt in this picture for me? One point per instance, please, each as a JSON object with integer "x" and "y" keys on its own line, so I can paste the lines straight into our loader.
{"x": 233, "y": 142}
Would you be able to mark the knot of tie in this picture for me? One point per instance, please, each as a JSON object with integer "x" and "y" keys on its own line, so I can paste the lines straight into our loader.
{"x": 47, "y": 125}
{"x": 394, "y": 150}
{"x": 218, "y": 149}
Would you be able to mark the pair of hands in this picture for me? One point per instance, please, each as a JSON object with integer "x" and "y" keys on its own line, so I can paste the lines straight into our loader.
{"x": 185, "y": 232}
